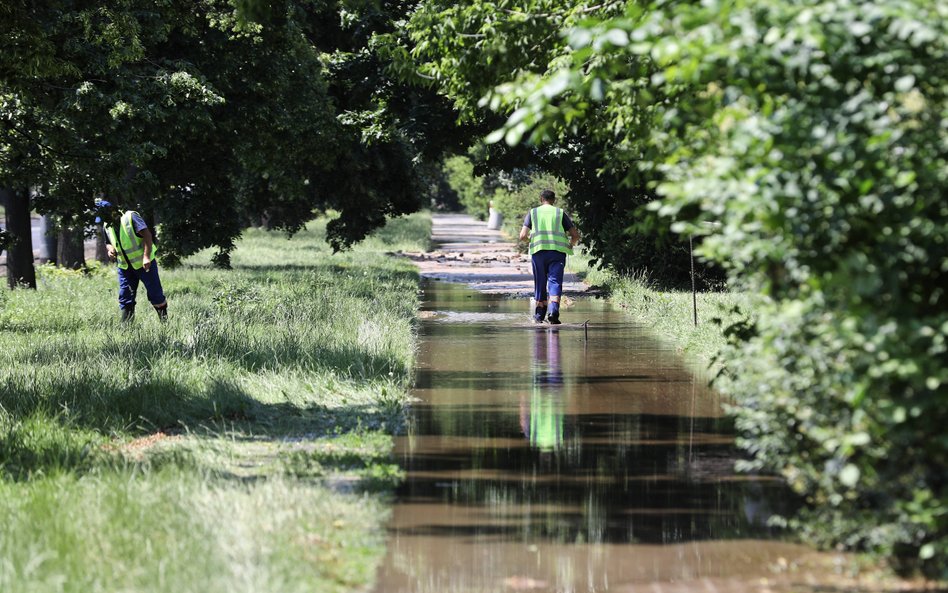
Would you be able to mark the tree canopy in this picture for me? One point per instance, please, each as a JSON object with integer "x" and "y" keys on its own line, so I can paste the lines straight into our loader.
{"x": 190, "y": 110}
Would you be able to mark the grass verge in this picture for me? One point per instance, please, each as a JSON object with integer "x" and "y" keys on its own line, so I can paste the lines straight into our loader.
{"x": 671, "y": 315}
{"x": 242, "y": 446}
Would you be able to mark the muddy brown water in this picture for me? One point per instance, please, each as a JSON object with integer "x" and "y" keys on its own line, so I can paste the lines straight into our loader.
{"x": 540, "y": 460}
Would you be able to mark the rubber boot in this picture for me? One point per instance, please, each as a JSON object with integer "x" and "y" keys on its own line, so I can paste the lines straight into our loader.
{"x": 162, "y": 312}
{"x": 539, "y": 313}
{"x": 128, "y": 314}
{"x": 554, "y": 317}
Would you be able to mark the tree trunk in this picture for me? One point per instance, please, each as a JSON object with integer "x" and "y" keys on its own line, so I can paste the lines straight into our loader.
{"x": 101, "y": 254}
{"x": 71, "y": 250}
{"x": 20, "y": 271}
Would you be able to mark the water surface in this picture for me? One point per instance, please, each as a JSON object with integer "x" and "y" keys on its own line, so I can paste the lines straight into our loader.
{"x": 565, "y": 459}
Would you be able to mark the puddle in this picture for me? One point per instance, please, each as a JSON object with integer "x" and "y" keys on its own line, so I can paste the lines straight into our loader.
{"x": 476, "y": 317}
{"x": 556, "y": 460}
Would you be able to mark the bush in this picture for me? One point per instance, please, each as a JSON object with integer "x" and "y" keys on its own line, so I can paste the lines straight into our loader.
{"x": 516, "y": 202}
{"x": 813, "y": 135}
{"x": 818, "y": 140}
{"x": 470, "y": 188}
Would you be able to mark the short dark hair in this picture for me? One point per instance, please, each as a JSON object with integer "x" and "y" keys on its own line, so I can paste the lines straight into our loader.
{"x": 547, "y": 195}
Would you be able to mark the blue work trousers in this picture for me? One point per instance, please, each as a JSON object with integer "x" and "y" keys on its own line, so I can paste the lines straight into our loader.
{"x": 128, "y": 286}
{"x": 548, "y": 267}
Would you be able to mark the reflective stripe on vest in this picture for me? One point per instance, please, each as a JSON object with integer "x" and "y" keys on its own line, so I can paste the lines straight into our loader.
{"x": 546, "y": 421}
{"x": 132, "y": 244}
{"x": 546, "y": 230}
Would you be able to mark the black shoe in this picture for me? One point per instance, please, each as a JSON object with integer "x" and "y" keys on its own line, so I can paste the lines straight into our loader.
{"x": 539, "y": 314}
{"x": 162, "y": 313}
{"x": 128, "y": 313}
{"x": 554, "y": 319}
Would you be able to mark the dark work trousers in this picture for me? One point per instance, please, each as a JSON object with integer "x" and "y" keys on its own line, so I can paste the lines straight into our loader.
{"x": 128, "y": 286}
{"x": 548, "y": 267}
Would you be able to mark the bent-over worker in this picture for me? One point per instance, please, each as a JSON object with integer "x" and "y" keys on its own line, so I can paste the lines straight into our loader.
{"x": 547, "y": 226}
{"x": 130, "y": 243}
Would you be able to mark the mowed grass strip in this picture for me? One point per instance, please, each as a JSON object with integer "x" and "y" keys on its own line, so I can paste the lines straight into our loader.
{"x": 243, "y": 446}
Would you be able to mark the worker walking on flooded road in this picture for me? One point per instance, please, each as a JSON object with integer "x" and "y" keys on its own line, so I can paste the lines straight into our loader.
{"x": 548, "y": 226}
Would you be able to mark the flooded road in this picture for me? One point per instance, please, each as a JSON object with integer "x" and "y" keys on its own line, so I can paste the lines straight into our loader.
{"x": 540, "y": 460}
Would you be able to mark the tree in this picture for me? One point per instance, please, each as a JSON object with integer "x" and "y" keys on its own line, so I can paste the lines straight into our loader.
{"x": 465, "y": 51}
{"x": 18, "y": 238}
{"x": 202, "y": 117}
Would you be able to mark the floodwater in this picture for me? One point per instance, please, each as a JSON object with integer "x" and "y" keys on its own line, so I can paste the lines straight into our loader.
{"x": 567, "y": 459}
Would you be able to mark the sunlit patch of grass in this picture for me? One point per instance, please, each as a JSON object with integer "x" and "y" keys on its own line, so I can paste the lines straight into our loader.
{"x": 580, "y": 264}
{"x": 174, "y": 530}
{"x": 671, "y": 315}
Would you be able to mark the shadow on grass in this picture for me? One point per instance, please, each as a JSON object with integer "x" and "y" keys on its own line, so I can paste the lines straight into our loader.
{"x": 284, "y": 351}
{"x": 51, "y": 435}
{"x": 62, "y": 405}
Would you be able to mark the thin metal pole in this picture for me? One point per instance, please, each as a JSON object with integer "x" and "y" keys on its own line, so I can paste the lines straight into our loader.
{"x": 694, "y": 292}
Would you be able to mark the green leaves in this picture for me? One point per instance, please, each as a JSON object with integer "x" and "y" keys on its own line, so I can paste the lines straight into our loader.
{"x": 209, "y": 116}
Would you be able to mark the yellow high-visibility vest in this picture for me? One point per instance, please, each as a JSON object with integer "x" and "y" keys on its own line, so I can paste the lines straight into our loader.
{"x": 546, "y": 230}
{"x": 128, "y": 241}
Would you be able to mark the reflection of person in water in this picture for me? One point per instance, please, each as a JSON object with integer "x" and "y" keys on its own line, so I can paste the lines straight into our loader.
{"x": 542, "y": 421}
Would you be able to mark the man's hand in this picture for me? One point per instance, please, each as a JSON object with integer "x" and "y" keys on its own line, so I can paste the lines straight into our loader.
{"x": 110, "y": 251}
{"x": 146, "y": 263}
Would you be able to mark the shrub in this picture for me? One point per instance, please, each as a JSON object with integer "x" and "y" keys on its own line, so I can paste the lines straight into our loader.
{"x": 818, "y": 140}
{"x": 470, "y": 187}
{"x": 517, "y": 201}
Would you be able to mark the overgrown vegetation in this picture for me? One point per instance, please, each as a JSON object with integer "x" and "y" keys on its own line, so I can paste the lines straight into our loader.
{"x": 201, "y": 454}
{"x": 185, "y": 111}
{"x": 513, "y": 194}
{"x": 670, "y": 313}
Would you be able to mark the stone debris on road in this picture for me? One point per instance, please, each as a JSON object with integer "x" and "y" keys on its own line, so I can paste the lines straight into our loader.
{"x": 467, "y": 252}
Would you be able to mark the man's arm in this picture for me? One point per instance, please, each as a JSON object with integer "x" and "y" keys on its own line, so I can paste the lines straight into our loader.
{"x": 573, "y": 236}
{"x": 524, "y": 233}
{"x": 145, "y": 234}
{"x": 109, "y": 248}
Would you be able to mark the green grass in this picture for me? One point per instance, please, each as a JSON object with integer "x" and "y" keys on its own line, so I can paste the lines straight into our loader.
{"x": 177, "y": 530}
{"x": 670, "y": 314}
{"x": 243, "y": 446}
{"x": 580, "y": 264}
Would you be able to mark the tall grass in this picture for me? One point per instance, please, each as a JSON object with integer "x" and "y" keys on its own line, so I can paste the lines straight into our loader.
{"x": 670, "y": 313}
{"x": 292, "y": 347}
{"x": 174, "y": 530}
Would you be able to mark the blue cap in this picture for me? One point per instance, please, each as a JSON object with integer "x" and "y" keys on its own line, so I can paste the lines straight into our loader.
{"x": 101, "y": 206}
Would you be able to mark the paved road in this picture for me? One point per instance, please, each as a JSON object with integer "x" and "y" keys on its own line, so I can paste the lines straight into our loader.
{"x": 37, "y": 243}
{"x": 466, "y": 251}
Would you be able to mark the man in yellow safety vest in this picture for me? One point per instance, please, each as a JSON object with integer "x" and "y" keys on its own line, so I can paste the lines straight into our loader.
{"x": 548, "y": 226}
{"x": 130, "y": 243}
